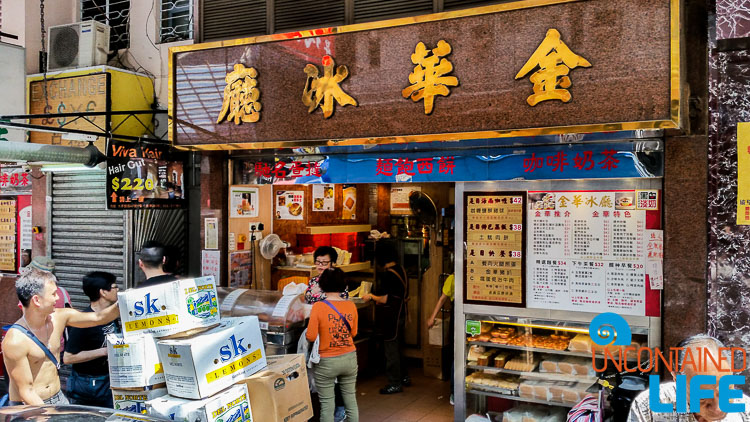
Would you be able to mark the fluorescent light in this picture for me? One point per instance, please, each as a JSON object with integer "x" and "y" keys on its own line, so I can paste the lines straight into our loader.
{"x": 70, "y": 167}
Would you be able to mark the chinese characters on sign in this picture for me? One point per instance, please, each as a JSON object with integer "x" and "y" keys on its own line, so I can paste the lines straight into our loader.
{"x": 241, "y": 96}
{"x": 428, "y": 77}
{"x": 279, "y": 170}
{"x": 8, "y": 235}
{"x": 494, "y": 248}
{"x": 325, "y": 88}
{"x": 14, "y": 179}
{"x": 586, "y": 252}
{"x": 143, "y": 175}
{"x": 555, "y": 60}
{"x": 391, "y": 166}
{"x": 581, "y": 161}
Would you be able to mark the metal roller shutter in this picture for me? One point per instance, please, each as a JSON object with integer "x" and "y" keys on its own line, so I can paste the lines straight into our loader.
{"x": 223, "y": 19}
{"x": 85, "y": 236}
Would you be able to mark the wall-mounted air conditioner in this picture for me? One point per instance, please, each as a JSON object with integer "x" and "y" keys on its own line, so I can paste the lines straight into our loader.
{"x": 76, "y": 45}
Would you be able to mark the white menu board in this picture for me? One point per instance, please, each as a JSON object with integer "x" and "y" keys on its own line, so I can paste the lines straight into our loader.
{"x": 585, "y": 252}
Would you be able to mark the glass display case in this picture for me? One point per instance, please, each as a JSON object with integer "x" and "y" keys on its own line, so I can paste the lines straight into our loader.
{"x": 282, "y": 318}
{"x": 535, "y": 360}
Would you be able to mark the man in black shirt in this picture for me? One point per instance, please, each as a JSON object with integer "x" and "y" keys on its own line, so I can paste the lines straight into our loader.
{"x": 151, "y": 261}
{"x": 86, "y": 348}
{"x": 391, "y": 295}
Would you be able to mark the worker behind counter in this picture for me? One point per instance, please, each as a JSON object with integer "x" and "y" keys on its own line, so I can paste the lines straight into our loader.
{"x": 31, "y": 346}
{"x": 151, "y": 260}
{"x": 86, "y": 349}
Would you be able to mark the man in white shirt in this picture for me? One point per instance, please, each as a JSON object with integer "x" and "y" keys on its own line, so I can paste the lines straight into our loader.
{"x": 640, "y": 410}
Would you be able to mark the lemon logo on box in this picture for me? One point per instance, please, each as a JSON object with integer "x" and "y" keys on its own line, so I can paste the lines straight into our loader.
{"x": 148, "y": 307}
{"x": 229, "y": 353}
{"x": 202, "y": 304}
{"x": 240, "y": 413}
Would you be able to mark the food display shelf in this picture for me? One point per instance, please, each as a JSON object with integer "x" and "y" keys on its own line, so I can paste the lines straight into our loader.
{"x": 492, "y": 392}
{"x": 539, "y": 350}
{"x": 534, "y": 374}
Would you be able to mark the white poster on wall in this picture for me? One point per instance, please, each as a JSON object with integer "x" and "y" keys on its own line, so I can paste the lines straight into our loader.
{"x": 400, "y": 199}
{"x": 243, "y": 202}
{"x": 322, "y": 197}
{"x": 586, "y": 252}
{"x": 25, "y": 227}
{"x": 290, "y": 204}
{"x": 211, "y": 264}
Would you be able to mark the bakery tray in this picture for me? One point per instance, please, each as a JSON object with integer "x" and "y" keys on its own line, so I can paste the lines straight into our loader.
{"x": 535, "y": 374}
{"x": 515, "y": 398}
{"x": 539, "y": 350}
{"x": 504, "y": 391}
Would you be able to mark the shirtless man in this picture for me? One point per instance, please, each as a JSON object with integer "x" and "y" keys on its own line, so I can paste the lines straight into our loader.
{"x": 33, "y": 377}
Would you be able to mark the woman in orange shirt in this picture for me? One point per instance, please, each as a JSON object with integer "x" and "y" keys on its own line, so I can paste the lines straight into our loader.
{"x": 335, "y": 321}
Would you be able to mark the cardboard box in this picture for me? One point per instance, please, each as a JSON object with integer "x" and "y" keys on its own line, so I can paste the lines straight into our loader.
{"x": 135, "y": 401}
{"x": 204, "y": 364}
{"x": 169, "y": 308}
{"x": 432, "y": 362}
{"x": 231, "y": 404}
{"x": 281, "y": 392}
{"x": 133, "y": 362}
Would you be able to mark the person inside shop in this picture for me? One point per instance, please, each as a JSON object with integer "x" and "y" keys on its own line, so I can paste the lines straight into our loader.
{"x": 391, "y": 295}
{"x": 335, "y": 320}
{"x": 447, "y": 295}
{"x": 32, "y": 345}
{"x": 699, "y": 345}
{"x": 88, "y": 383}
{"x": 151, "y": 261}
{"x": 325, "y": 258}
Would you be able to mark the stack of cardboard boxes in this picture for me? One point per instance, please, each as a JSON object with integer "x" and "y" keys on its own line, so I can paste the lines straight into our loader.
{"x": 173, "y": 337}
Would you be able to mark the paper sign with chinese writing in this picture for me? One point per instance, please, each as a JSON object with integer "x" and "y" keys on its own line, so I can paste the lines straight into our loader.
{"x": 322, "y": 197}
{"x": 244, "y": 202}
{"x": 586, "y": 251}
{"x": 211, "y": 264}
{"x": 290, "y": 205}
{"x": 655, "y": 258}
{"x": 349, "y": 206}
{"x": 211, "y": 233}
{"x": 14, "y": 180}
{"x": 8, "y": 235}
{"x": 743, "y": 173}
{"x": 494, "y": 247}
{"x": 400, "y": 199}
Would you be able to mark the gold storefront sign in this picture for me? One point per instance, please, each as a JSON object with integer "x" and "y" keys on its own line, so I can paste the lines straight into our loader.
{"x": 555, "y": 60}
{"x": 241, "y": 96}
{"x": 488, "y": 52}
{"x": 325, "y": 88}
{"x": 428, "y": 77}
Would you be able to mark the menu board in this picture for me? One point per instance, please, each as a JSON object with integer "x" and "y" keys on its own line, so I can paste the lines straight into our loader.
{"x": 8, "y": 235}
{"x": 586, "y": 251}
{"x": 494, "y": 225}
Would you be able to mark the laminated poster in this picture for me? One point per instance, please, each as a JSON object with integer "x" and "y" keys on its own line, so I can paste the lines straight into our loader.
{"x": 586, "y": 251}
{"x": 494, "y": 247}
{"x": 400, "y": 199}
{"x": 322, "y": 197}
{"x": 349, "y": 207}
{"x": 243, "y": 202}
{"x": 240, "y": 266}
{"x": 290, "y": 205}
{"x": 211, "y": 233}
{"x": 8, "y": 235}
{"x": 211, "y": 264}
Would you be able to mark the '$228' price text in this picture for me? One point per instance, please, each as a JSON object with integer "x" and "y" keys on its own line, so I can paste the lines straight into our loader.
{"x": 132, "y": 184}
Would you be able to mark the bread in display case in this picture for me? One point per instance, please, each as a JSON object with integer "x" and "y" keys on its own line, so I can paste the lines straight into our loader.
{"x": 534, "y": 360}
{"x": 282, "y": 318}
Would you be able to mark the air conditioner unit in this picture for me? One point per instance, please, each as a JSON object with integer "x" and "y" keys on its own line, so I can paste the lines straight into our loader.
{"x": 76, "y": 45}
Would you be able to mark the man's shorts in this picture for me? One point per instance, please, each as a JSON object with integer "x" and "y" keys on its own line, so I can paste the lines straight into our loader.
{"x": 58, "y": 398}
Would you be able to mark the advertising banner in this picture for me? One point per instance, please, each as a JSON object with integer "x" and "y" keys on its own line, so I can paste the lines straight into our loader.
{"x": 143, "y": 175}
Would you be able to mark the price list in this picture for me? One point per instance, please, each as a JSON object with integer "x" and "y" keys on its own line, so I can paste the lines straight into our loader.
{"x": 494, "y": 242}
{"x": 586, "y": 251}
{"x": 7, "y": 235}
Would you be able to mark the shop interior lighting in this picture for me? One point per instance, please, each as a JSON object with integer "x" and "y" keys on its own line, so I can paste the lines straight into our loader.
{"x": 545, "y": 327}
{"x": 70, "y": 167}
